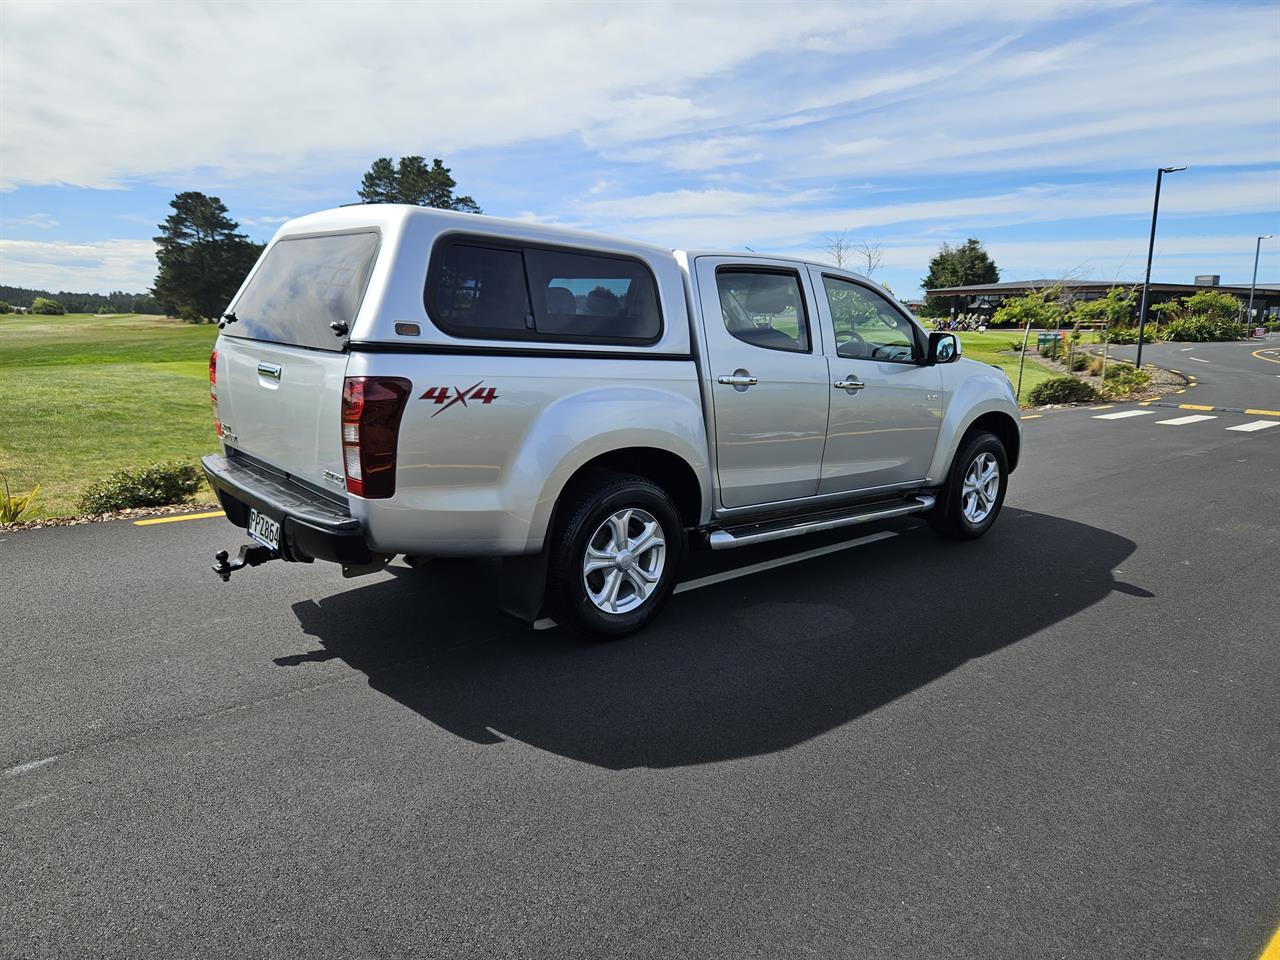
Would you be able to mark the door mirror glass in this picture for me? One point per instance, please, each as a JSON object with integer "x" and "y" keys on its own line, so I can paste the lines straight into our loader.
{"x": 944, "y": 348}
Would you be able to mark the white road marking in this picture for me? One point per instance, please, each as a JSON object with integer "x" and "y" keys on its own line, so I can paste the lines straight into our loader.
{"x": 1186, "y": 349}
{"x": 1194, "y": 418}
{"x": 1255, "y": 425}
{"x": 27, "y": 767}
{"x": 781, "y": 561}
{"x": 1198, "y": 360}
{"x": 1123, "y": 414}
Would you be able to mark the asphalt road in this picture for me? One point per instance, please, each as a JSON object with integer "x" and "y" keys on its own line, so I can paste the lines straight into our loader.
{"x": 1062, "y": 740}
{"x": 1236, "y": 375}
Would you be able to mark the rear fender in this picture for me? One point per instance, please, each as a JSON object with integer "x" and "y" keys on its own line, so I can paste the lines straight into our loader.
{"x": 571, "y": 433}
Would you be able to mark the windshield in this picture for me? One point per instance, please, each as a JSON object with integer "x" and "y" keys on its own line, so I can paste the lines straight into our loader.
{"x": 303, "y": 287}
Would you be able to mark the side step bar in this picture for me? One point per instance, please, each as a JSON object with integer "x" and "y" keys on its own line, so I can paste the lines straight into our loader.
{"x": 762, "y": 533}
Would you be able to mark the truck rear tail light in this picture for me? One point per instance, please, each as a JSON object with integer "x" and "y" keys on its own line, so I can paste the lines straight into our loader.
{"x": 371, "y": 411}
{"x": 213, "y": 390}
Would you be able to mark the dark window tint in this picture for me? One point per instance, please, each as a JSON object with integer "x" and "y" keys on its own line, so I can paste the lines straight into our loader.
{"x": 302, "y": 286}
{"x": 577, "y": 295}
{"x": 477, "y": 291}
{"x": 764, "y": 309}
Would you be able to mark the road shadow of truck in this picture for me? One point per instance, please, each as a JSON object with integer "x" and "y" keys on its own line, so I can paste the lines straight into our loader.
{"x": 737, "y": 669}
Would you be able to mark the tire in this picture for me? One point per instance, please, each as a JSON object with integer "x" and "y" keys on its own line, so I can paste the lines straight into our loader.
{"x": 634, "y": 584}
{"x": 949, "y": 518}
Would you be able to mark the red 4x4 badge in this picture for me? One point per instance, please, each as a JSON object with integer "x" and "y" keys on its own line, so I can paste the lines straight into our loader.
{"x": 443, "y": 395}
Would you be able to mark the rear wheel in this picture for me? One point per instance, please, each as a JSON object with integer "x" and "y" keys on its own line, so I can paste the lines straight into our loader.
{"x": 614, "y": 556}
{"x": 974, "y": 493}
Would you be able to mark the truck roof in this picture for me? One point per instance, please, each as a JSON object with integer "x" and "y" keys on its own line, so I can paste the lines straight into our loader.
{"x": 397, "y": 216}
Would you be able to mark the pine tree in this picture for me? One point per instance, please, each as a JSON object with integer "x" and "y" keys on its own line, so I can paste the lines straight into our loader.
{"x": 413, "y": 181}
{"x": 203, "y": 258}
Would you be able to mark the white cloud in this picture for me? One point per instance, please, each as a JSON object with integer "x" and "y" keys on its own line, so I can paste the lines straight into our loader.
{"x": 101, "y": 267}
{"x": 720, "y": 218}
{"x": 41, "y": 221}
{"x": 249, "y": 88}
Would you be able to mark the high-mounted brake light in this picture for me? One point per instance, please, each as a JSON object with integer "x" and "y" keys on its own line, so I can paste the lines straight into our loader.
{"x": 213, "y": 390}
{"x": 371, "y": 411}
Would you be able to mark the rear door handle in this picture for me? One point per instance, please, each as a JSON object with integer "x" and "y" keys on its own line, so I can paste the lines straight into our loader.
{"x": 272, "y": 370}
{"x": 853, "y": 386}
{"x": 737, "y": 380}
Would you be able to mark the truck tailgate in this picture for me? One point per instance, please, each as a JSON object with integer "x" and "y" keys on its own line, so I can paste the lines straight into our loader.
{"x": 283, "y": 406}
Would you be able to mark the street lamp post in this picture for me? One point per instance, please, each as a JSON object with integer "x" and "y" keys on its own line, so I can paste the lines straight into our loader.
{"x": 1151, "y": 246}
{"x": 1257, "y": 249}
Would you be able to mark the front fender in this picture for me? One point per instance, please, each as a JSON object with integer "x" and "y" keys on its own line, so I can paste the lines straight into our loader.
{"x": 971, "y": 390}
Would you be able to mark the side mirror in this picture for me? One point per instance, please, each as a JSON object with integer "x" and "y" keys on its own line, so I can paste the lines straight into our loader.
{"x": 943, "y": 347}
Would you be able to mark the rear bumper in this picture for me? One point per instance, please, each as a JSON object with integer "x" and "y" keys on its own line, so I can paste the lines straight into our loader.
{"x": 312, "y": 527}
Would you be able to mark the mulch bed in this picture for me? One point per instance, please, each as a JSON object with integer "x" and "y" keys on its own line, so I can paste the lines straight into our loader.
{"x": 132, "y": 514}
{"x": 1163, "y": 381}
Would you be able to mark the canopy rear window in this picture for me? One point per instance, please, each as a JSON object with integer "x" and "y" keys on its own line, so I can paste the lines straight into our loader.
{"x": 490, "y": 288}
{"x": 303, "y": 287}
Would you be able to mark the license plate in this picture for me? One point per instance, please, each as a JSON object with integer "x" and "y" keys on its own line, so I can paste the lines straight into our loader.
{"x": 265, "y": 530}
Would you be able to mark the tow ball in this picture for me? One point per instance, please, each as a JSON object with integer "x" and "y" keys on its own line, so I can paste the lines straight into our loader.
{"x": 250, "y": 556}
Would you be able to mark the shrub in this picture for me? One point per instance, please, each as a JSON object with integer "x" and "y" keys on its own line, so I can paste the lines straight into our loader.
{"x": 153, "y": 486}
{"x": 1126, "y": 382}
{"x": 47, "y": 306}
{"x": 1079, "y": 361}
{"x": 1126, "y": 335}
{"x": 1061, "y": 390}
{"x": 1201, "y": 329}
{"x": 1095, "y": 366}
{"x": 13, "y": 506}
{"x": 5, "y": 308}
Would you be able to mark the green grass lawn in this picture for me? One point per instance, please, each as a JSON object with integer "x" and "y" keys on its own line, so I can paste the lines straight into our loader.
{"x": 993, "y": 347}
{"x": 83, "y": 395}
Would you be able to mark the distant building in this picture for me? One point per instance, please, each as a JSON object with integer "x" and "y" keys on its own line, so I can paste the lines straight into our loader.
{"x": 983, "y": 299}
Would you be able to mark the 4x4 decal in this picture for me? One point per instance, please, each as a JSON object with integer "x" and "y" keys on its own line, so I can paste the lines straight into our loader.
{"x": 440, "y": 395}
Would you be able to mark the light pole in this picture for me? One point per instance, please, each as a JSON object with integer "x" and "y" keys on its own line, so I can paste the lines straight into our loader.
{"x": 1257, "y": 249}
{"x": 1151, "y": 246}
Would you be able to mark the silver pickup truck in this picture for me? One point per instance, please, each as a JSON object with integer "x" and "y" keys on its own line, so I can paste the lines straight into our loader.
{"x": 399, "y": 380}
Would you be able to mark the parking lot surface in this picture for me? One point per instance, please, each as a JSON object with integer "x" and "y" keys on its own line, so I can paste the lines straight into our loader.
{"x": 1062, "y": 740}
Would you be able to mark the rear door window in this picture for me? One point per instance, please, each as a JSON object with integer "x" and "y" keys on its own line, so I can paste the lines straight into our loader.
{"x": 764, "y": 308}
{"x": 522, "y": 292}
{"x": 302, "y": 287}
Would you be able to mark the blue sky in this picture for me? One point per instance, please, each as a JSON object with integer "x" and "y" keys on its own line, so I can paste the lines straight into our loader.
{"x": 1034, "y": 127}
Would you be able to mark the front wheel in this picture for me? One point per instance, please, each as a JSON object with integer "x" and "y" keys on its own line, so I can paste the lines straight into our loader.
{"x": 615, "y": 555}
{"x": 974, "y": 493}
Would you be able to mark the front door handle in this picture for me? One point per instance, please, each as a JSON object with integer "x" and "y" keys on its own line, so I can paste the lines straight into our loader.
{"x": 852, "y": 385}
{"x": 737, "y": 380}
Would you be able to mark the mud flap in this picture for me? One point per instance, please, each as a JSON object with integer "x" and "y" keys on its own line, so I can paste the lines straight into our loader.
{"x": 379, "y": 561}
{"x": 523, "y": 586}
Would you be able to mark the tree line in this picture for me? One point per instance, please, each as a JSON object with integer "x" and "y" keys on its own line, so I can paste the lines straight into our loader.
{"x": 118, "y": 301}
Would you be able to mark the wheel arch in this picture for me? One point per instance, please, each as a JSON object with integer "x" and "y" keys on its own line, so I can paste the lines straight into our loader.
{"x": 668, "y": 470}
{"x": 1006, "y": 430}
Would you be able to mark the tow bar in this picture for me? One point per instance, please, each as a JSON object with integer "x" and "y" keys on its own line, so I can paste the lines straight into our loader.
{"x": 250, "y": 556}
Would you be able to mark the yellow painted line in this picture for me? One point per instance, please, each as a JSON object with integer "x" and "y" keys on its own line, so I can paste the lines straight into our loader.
{"x": 186, "y": 516}
{"x": 1263, "y": 413}
{"x": 1272, "y": 950}
{"x": 1258, "y": 354}
{"x": 1192, "y": 406}
{"x": 1105, "y": 406}
{"x": 1178, "y": 372}
{"x": 1180, "y": 391}
{"x": 1032, "y": 416}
